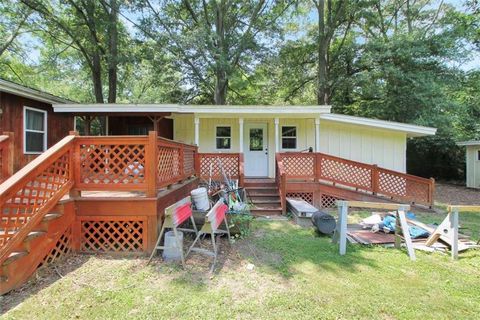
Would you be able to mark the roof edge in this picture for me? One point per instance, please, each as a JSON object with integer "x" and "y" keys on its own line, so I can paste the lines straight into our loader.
{"x": 411, "y": 129}
{"x": 30, "y": 93}
{"x": 468, "y": 143}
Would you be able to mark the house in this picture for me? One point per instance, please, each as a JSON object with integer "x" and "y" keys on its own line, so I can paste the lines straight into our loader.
{"x": 94, "y": 194}
{"x": 472, "y": 159}
{"x": 28, "y": 113}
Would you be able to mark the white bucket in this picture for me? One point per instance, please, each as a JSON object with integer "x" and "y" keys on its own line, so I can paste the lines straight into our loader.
{"x": 172, "y": 248}
{"x": 200, "y": 199}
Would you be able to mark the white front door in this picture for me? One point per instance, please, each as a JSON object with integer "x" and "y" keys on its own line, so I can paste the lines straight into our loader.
{"x": 255, "y": 150}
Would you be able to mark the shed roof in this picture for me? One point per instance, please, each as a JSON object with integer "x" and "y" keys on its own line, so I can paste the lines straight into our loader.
{"x": 26, "y": 92}
{"x": 469, "y": 143}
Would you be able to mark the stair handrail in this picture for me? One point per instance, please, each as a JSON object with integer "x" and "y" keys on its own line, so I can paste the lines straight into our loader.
{"x": 25, "y": 175}
{"x": 281, "y": 180}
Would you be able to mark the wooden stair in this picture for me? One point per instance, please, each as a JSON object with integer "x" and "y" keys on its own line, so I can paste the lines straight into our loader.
{"x": 265, "y": 197}
{"x": 24, "y": 260}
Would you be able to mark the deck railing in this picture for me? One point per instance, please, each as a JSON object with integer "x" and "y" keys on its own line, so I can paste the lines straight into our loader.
{"x": 30, "y": 193}
{"x": 210, "y": 165}
{"x": 127, "y": 163}
{"x": 319, "y": 167}
{"x": 6, "y": 155}
{"x": 132, "y": 163}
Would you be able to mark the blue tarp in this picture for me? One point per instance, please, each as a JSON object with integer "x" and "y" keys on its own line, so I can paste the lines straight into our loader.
{"x": 415, "y": 232}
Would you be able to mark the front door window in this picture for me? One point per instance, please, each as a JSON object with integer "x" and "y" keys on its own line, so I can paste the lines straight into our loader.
{"x": 256, "y": 139}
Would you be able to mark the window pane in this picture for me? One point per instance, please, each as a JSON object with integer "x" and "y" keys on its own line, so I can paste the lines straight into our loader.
{"x": 33, "y": 142}
{"x": 289, "y": 143}
{"x": 223, "y": 143}
{"x": 289, "y": 131}
{"x": 223, "y": 132}
{"x": 34, "y": 120}
{"x": 256, "y": 139}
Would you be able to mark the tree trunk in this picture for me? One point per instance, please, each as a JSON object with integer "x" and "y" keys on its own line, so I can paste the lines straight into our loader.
{"x": 322, "y": 71}
{"x": 221, "y": 76}
{"x": 97, "y": 78}
{"x": 113, "y": 52}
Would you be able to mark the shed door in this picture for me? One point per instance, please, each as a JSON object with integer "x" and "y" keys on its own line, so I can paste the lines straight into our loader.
{"x": 256, "y": 150}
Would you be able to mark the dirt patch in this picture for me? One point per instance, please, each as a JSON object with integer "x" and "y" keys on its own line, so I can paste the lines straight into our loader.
{"x": 446, "y": 194}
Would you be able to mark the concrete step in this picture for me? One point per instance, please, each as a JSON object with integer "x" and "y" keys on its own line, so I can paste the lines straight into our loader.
{"x": 14, "y": 256}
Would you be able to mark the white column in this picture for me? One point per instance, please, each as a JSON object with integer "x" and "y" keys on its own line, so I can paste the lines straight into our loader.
{"x": 197, "y": 131}
{"x": 317, "y": 135}
{"x": 277, "y": 138}
{"x": 240, "y": 125}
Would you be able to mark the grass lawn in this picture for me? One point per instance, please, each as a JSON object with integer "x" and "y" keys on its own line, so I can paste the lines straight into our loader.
{"x": 297, "y": 275}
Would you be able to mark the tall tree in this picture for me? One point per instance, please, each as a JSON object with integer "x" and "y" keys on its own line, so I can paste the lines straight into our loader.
{"x": 212, "y": 39}
{"x": 91, "y": 28}
{"x": 335, "y": 17}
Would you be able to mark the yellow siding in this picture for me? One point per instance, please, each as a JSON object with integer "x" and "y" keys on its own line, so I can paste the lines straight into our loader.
{"x": 382, "y": 147}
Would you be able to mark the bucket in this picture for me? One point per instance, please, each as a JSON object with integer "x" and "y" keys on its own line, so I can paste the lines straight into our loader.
{"x": 172, "y": 248}
{"x": 200, "y": 199}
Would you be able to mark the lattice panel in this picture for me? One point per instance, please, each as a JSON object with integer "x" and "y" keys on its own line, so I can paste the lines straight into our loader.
{"x": 403, "y": 187}
{"x": 229, "y": 163}
{"x": 299, "y": 165}
{"x": 107, "y": 164}
{"x": 117, "y": 236}
{"x": 328, "y": 201}
{"x": 344, "y": 172}
{"x": 189, "y": 162}
{"x": 307, "y": 196}
{"x": 62, "y": 248}
{"x": 168, "y": 164}
{"x": 391, "y": 184}
{"x": 32, "y": 196}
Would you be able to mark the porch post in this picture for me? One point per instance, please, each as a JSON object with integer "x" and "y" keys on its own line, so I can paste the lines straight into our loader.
{"x": 277, "y": 149}
{"x": 240, "y": 124}
{"x": 197, "y": 131}
{"x": 317, "y": 135}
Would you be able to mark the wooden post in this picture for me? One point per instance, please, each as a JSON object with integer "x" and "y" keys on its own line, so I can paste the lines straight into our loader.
{"x": 197, "y": 163}
{"x": 431, "y": 192}
{"x": 454, "y": 225}
{"x": 8, "y": 155}
{"x": 151, "y": 165}
{"x": 375, "y": 176}
{"x": 318, "y": 167}
{"x": 402, "y": 220}
{"x": 340, "y": 235}
{"x": 240, "y": 170}
{"x": 181, "y": 165}
{"x": 74, "y": 163}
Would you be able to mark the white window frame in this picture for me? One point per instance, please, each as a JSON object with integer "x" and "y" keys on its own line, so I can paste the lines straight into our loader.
{"x": 45, "y": 131}
{"x": 215, "y": 141}
{"x": 296, "y": 137}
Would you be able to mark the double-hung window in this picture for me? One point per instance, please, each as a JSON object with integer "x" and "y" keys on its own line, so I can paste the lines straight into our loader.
{"x": 34, "y": 130}
{"x": 223, "y": 137}
{"x": 289, "y": 137}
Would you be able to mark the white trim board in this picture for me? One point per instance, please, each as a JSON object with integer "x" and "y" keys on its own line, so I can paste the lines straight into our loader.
{"x": 37, "y": 95}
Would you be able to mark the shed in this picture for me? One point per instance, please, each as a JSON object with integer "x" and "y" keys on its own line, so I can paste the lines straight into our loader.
{"x": 472, "y": 159}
